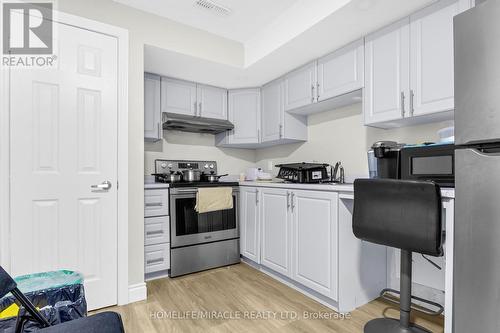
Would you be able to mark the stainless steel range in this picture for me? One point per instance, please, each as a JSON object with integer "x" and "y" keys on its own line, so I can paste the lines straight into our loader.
{"x": 198, "y": 241}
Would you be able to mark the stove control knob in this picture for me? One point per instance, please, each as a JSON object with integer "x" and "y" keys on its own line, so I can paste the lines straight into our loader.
{"x": 206, "y": 166}
{"x": 211, "y": 166}
{"x": 163, "y": 165}
{"x": 170, "y": 165}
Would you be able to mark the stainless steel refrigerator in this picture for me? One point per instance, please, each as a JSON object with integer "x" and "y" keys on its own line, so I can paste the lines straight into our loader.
{"x": 476, "y": 289}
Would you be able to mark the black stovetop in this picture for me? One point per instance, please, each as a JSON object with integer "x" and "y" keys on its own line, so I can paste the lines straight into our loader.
{"x": 202, "y": 184}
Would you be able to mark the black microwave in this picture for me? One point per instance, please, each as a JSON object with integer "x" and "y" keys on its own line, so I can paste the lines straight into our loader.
{"x": 434, "y": 162}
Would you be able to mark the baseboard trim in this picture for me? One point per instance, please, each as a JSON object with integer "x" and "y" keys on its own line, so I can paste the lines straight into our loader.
{"x": 137, "y": 292}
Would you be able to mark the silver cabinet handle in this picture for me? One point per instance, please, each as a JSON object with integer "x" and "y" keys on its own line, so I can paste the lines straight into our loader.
{"x": 402, "y": 104}
{"x": 287, "y": 200}
{"x": 195, "y": 109}
{"x": 158, "y": 125}
{"x": 258, "y": 135}
{"x": 293, "y": 198}
{"x": 281, "y": 131}
{"x": 317, "y": 92}
{"x": 104, "y": 186}
{"x": 154, "y": 261}
{"x": 312, "y": 93}
{"x": 153, "y": 204}
{"x": 256, "y": 197}
{"x": 156, "y": 232}
{"x": 199, "y": 108}
{"x": 412, "y": 95}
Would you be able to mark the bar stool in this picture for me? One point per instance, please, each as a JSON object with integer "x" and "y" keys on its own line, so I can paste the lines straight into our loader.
{"x": 404, "y": 215}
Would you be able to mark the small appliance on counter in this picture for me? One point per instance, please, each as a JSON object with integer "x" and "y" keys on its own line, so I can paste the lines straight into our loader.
{"x": 428, "y": 161}
{"x": 304, "y": 172}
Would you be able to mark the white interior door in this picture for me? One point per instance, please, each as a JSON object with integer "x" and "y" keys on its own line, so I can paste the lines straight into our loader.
{"x": 63, "y": 141}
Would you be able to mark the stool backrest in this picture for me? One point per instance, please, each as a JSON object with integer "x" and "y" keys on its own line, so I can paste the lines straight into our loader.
{"x": 400, "y": 214}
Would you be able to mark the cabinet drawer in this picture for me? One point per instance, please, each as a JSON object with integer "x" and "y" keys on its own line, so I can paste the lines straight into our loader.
{"x": 156, "y": 230}
{"x": 157, "y": 258}
{"x": 155, "y": 202}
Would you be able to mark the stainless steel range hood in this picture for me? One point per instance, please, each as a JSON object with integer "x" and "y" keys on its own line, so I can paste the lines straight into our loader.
{"x": 180, "y": 122}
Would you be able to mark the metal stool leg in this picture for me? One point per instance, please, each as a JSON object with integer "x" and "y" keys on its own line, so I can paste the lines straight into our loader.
{"x": 403, "y": 325}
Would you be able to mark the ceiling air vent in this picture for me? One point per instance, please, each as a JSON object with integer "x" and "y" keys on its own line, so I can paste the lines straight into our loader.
{"x": 213, "y": 7}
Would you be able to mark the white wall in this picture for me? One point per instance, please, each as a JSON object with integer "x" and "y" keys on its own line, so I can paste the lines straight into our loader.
{"x": 339, "y": 135}
{"x": 185, "y": 146}
{"x": 156, "y": 31}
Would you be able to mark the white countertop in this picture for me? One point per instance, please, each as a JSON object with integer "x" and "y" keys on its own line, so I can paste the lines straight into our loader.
{"x": 446, "y": 192}
{"x": 342, "y": 188}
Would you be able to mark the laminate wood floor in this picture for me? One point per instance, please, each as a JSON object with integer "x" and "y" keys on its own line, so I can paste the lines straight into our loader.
{"x": 230, "y": 295}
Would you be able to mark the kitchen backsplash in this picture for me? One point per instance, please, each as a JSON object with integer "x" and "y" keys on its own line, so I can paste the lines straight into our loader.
{"x": 337, "y": 135}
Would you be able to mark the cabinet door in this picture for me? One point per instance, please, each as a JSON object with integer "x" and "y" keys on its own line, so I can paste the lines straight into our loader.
{"x": 152, "y": 108}
{"x": 178, "y": 96}
{"x": 300, "y": 87}
{"x": 387, "y": 73}
{"x": 272, "y": 112}
{"x": 155, "y": 202}
{"x": 342, "y": 71}
{"x": 276, "y": 230}
{"x": 432, "y": 60}
{"x": 244, "y": 113}
{"x": 212, "y": 102}
{"x": 314, "y": 246}
{"x": 249, "y": 222}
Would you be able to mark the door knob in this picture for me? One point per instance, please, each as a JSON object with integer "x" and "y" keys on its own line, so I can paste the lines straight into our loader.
{"x": 104, "y": 186}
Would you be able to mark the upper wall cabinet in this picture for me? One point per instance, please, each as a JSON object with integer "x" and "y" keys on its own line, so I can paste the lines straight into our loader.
{"x": 277, "y": 125}
{"x": 431, "y": 55}
{"x": 212, "y": 102}
{"x": 300, "y": 87}
{"x": 244, "y": 113}
{"x": 178, "y": 97}
{"x": 409, "y": 76}
{"x": 387, "y": 61}
{"x": 188, "y": 98}
{"x": 341, "y": 72}
{"x": 152, "y": 108}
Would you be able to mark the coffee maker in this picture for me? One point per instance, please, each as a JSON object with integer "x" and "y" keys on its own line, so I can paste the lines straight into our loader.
{"x": 384, "y": 159}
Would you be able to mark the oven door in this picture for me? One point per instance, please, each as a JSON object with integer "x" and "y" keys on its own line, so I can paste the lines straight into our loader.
{"x": 187, "y": 227}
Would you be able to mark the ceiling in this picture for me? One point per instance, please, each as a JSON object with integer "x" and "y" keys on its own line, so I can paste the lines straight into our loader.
{"x": 260, "y": 25}
{"x": 268, "y": 55}
{"x": 244, "y": 21}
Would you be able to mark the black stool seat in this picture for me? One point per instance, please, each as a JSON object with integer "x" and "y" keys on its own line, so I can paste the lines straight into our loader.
{"x": 402, "y": 214}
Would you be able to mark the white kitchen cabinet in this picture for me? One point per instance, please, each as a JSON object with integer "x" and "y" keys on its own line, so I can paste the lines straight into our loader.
{"x": 387, "y": 60}
{"x": 155, "y": 202}
{"x": 156, "y": 230}
{"x": 152, "y": 108}
{"x": 315, "y": 240}
{"x": 276, "y": 230}
{"x": 409, "y": 68}
{"x": 279, "y": 126}
{"x": 244, "y": 113}
{"x": 250, "y": 223}
{"x": 432, "y": 60}
{"x": 178, "y": 96}
{"x": 300, "y": 87}
{"x": 157, "y": 258}
{"x": 212, "y": 102}
{"x": 341, "y": 72}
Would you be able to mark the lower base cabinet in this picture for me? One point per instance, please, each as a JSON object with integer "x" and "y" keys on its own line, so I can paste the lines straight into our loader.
{"x": 276, "y": 230}
{"x": 295, "y": 233}
{"x": 314, "y": 241}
